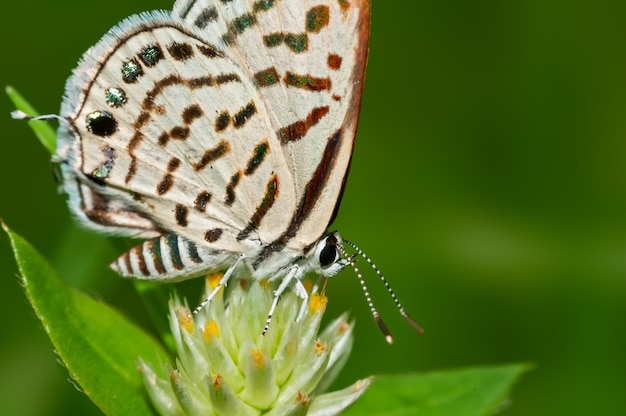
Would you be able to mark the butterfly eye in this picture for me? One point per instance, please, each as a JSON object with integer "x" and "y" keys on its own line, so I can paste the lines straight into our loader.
{"x": 328, "y": 255}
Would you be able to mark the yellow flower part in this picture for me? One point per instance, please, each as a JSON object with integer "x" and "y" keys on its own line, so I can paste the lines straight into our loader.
{"x": 186, "y": 320}
{"x": 214, "y": 279}
{"x": 211, "y": 329}
{"x": 316, "y": 303}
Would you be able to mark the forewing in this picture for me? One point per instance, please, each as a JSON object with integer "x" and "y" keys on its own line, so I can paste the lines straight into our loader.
{"x": 307, "y": 60}
{"x": 229, "y": 122}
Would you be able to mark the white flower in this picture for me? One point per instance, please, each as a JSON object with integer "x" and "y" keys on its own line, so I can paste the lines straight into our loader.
{"x": 226, "y": 367}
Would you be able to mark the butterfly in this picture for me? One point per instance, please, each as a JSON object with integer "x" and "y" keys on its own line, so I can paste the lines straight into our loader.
{"x": 221, "y": 134}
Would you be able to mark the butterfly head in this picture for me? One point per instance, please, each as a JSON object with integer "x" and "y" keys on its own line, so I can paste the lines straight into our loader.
{"x": 330, "y": 256}
{"x": 327, "y": 259}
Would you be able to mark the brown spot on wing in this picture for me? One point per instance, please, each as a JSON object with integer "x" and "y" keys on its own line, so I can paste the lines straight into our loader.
{"x": 213, "y": 235}
{"x": 180, "y": 51}
{"x": 334, "y": 61}
{"x": 317, "y": 18}
{"x": 201, "y": 82}
{"x": 166, "y": 184}
{"x": 163, "y": 138}
{"x": 180, "y": 214}
{"x": 212, "y": 154}
{"x": 230, "y": 188}
{"x": 201, "y": 201}
{"x": 244, "y": 115}
{"x": 209, "y": 51}
{"x": 180, "y": 132}
{"x": 222, "y": 121}
{"x": 168, "y": 179}
{"x": 191, "y": 113}
{"x": 141, "y": 120}
{"x": 226, "y": 78}
{"x": 307, "y": 82}
{"x": 208, "y": 15}
{"x": 299, "y": 129}
{"x": 267, "y": 77}
{"x": 260, "y": 151}
{"x": 132, "y": 145}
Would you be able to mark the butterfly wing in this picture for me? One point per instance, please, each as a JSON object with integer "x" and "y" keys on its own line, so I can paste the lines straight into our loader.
{"x": 307, "y": 60}
{"x": 167, "y": 126}
{"x": 229, "y": 124}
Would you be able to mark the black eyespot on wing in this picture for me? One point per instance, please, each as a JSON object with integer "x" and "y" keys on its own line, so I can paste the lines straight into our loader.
{"x": 101, "y": 123}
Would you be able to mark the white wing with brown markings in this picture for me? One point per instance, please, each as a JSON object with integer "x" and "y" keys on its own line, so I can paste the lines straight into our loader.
{"x": 223, "y": 128}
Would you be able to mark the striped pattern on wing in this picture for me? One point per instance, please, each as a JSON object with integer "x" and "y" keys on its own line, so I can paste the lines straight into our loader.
{"x": 308, "y": 64}
{"x": 229, "y": 124}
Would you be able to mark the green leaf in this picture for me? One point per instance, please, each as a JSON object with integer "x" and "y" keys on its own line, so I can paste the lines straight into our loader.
{"x": 98, "y": 345}
{"x": 155, "y": 298}
{"x": 466, "y": 392}
{"x": 42, "y": 130}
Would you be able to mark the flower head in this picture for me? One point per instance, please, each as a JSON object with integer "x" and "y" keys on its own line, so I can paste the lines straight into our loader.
{"x": 225, "y": 365}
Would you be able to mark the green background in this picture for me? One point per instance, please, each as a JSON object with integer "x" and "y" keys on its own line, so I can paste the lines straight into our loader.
{"x": 488, "y": 183}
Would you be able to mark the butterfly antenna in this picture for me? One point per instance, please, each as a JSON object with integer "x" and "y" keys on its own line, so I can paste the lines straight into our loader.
{"x": 401, "y": 309}
{"x": 20, "y": 115}
{"x": 373, "y": 310}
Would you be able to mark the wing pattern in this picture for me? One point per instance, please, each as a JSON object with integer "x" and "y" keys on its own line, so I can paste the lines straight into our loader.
{"x": 221, "y": 128}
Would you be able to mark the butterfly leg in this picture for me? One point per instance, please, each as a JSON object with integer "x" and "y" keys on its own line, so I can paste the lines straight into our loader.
{"x": 293, "y": 272}
{"x": 222, "y": 283}
{"x": 302, "y": 293}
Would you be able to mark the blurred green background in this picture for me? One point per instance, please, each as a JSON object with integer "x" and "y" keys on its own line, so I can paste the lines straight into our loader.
{"x": 488, "y": 183}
